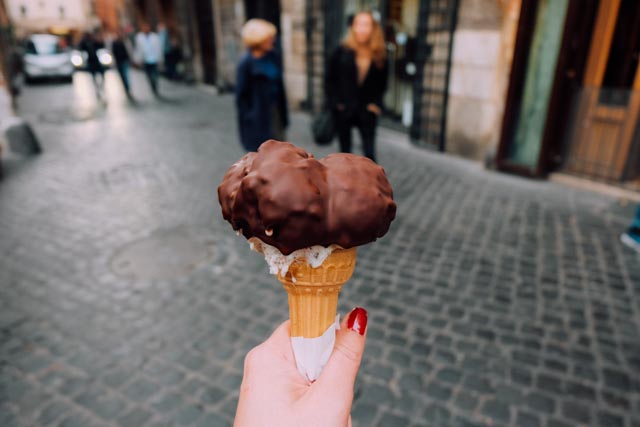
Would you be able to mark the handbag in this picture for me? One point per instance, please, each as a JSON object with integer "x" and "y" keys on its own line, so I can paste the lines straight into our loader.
{"x": 323, "y": 127}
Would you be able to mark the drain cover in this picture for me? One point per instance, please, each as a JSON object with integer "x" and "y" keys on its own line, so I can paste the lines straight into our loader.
{"x": 166, "y": 254}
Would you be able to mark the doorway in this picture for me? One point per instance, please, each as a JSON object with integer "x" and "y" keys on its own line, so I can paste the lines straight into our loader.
{"x": 269, "y": 10}
{"x": 573, "y": 102}
{"x": 603, "y": 132}
{"x": 206, "y": 36}
{"x": 436, "y": 25}
{"x": 401, "y": 38}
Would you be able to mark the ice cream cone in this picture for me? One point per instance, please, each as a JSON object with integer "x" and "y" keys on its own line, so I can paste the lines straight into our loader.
{"x": 313, "y": 292}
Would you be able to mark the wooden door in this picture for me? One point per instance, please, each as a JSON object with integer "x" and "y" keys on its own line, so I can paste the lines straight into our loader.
{"x": 607, "y": 106}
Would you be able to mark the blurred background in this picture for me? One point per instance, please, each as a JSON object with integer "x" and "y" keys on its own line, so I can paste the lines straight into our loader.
{"x": 501, "y": 295}
{"x": 464, "y": 74}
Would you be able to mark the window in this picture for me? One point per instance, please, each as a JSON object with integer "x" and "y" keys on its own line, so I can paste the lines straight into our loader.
{"x": 623, "y": 56}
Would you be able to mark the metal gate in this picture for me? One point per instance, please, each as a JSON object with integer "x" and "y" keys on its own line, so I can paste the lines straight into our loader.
{"x": 436, "y": 24}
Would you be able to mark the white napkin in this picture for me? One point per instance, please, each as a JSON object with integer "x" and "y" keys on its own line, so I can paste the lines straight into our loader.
{"x": 313, "y": 353}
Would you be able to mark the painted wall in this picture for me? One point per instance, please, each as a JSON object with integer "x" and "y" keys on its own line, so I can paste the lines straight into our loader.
{"x": 541, "y": 67}
{"x": 108, "y": 11}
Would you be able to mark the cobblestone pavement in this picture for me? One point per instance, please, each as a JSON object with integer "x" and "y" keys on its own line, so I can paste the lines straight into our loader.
{"x": 125, "y": 300}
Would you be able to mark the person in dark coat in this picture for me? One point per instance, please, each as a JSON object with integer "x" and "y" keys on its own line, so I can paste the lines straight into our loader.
{"x": 173, "y": 57}
{"x": 121, "y": 55}
{"x": 91, "y": 43}
{"x": 356, "y": 80}
{"x": 260, "y": 94}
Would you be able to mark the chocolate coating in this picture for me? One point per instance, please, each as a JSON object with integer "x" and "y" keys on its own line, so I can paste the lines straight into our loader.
{"x": 288, "y": 199}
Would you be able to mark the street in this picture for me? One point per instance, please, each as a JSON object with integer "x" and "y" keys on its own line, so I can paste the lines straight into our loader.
{"x": 126, "y": 300}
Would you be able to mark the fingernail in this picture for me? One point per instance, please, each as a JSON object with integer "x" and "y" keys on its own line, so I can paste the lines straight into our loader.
{"x": 357, "y": 320}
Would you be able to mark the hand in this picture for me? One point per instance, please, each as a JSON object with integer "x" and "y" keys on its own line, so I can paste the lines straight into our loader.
{"x": 340, "y": 107}
{"x": 273, "y": 393}
{"x": 374, "y": 109}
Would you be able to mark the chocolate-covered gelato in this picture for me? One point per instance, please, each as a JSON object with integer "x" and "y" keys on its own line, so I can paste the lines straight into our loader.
{"x": 288, "y": 199}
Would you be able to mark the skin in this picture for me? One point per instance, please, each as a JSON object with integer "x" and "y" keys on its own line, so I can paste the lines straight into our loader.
{"x": 362, "y": 27}
{"x": 264, "y": 47}
{"x": 273, "y": 393}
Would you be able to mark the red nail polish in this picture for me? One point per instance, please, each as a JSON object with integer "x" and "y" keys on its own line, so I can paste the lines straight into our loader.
{"x": 357, "y": 320}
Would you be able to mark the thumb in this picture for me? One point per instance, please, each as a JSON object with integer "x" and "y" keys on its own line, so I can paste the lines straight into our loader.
{"x": 339, "y": 375}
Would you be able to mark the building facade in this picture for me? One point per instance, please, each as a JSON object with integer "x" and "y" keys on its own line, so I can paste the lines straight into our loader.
{"x": 535, "y": 84}
{"x": 539, "y": 86}
{"x": 573, "y": 102}
{"x": 448, "y": 61}
{"x": 58, "y": 16}
{"x": 113, "y": 14}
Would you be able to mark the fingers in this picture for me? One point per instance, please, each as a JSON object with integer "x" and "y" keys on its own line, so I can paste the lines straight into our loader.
{"x": 339, "y": 376}
{"x": 280, "y": 337}
{"x": 276, "y": 348}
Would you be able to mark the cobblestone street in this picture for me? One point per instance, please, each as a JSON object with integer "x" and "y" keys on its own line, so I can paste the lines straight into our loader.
{"x": 126, "y": 300}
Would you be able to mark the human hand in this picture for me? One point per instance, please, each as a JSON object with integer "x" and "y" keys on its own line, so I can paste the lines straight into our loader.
{"x": 374, "y": 109}
{"x": 340, "y": 107}
{"x": 273, "y": 393}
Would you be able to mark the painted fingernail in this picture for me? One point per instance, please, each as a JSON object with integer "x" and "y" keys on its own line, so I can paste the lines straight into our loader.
{"x": 357, "y": 320}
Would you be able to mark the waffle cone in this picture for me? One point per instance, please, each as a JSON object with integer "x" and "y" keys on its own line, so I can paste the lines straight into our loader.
{"x": 313, "y": 297}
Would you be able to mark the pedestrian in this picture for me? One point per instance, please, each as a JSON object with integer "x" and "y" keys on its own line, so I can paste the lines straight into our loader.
{"x": 355, "y": 81}
{"x": 164, "y": 35}
{"x": 120, "y": 50}
{"x": 173, "y": 57}
{"x": 260, "y": 94}
{"x": 149, "y": 54}
{"x": 274, "y": 393}
{"x": 91, "y": 43}
{"x": 632, "y": 237}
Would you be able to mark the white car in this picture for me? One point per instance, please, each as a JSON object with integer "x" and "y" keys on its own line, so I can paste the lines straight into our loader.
{"x": 45, "y": 57}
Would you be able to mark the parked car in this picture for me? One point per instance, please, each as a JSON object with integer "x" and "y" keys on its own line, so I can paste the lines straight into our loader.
{"x": 46, "y": 56}
{"x": 79, "y": 58}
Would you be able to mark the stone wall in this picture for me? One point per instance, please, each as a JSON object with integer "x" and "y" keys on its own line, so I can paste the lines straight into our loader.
{"x": 294, "y": 49}
{"x": 229, "y": 18}
{"x": 315, "y": 54}
{"x": 481, "y": 62}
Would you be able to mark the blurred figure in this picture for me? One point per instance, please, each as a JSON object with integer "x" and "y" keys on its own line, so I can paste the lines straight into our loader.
{"x": 356, "y": 80}
{"x": 15, "y": 71}
{"x": 260, "y": 95}
{"x": 149, "y": 53}
{"x": 120, "y": 50}
{"x": 164, "y": 35}
{"x": 91, "y": 43}
{"x": 172, "y": 58}
{"x": 632, "y": 237}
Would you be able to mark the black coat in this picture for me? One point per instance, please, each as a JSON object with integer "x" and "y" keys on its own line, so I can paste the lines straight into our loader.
{"x": 92, "y": 47}
{"x": 120, "y": 52}
{"x": 341, "y": 83}
{"x": 254, "y": 101}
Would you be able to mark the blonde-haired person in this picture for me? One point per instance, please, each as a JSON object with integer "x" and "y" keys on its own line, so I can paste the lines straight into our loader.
{"x": 355, "y": 81}
{"x": 260, "y": 95}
